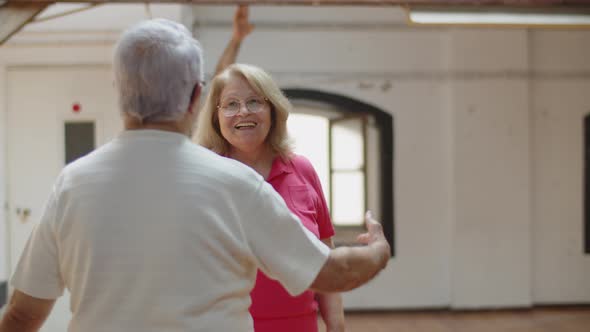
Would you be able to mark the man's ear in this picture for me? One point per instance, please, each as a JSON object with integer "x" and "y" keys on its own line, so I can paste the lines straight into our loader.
{"x": 195, "y": 96}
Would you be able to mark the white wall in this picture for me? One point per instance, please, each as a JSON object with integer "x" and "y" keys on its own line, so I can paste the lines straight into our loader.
{"x": 333, "y": 54}
{"x": 491, "y": 248}
{"x": 560, "y": 100}
{"x": 488, "y": 150}
{"x": 4, "y": 247}
{"x": 469, "y": 173}
{"x": 30, "y": 56}
{"x": 82, "y": 38}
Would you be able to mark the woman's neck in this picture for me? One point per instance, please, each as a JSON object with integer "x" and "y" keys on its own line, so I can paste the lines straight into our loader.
{"x": 260, "y": 160}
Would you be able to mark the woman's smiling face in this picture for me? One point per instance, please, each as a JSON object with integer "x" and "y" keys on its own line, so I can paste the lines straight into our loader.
{"x": 245, "y": 131}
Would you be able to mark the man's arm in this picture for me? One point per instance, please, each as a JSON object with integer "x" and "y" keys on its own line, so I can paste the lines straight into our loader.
{"x": 350, "y": 267}
{"x": 25, "y": 313}
{"x": 330, "y": 305}
{"x": 242, "y": 28}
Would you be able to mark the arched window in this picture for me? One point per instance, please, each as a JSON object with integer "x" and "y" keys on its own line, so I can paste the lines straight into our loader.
{"x": 350, "y": 143}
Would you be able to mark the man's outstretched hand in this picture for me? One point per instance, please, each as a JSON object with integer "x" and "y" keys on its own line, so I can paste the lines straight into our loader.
{"x": 374, "y": 237}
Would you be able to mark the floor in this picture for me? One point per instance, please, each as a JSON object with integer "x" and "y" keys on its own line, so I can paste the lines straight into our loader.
{"x": 547, "y": 319}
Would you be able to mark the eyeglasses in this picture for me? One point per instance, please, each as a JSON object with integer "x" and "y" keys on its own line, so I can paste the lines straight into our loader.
{"x": 233, "y": 106}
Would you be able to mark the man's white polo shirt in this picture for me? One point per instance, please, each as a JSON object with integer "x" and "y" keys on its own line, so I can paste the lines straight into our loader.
{"x": 153, "y": 233}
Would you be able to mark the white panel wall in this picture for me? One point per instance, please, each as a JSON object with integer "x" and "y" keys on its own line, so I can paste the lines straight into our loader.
{"x": 490, "y": 51}
{"x": 491, "y": 244}
{"x": 491, "y": 256}
{"x": 359, "y": 62}
{"x": 488, "y": 140}
{"x": 561, "y": 270}
{"x": 56, "y": 43}
{"x": 4, "y": 246}
{"x": 332, "y": 53}
{"x": 560, "y": 101}
{"x": 566, "y": 51}
{"x": 420, "y": 270}
{"x": 464, "y": 184}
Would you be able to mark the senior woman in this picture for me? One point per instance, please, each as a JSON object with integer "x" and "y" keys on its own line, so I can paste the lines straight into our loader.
{"x": 245, "y": 118}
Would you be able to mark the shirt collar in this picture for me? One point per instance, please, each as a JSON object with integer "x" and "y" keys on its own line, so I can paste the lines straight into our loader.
{"x": 279, "y": 167}
{"x": 153, "y": 133}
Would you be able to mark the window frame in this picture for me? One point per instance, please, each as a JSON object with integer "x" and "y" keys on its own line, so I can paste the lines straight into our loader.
{"x": 385, "y": 125}
{"x": 586, "y": 221}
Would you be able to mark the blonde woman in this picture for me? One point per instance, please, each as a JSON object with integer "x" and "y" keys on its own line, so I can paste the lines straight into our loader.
{"x": 245, "y": 118}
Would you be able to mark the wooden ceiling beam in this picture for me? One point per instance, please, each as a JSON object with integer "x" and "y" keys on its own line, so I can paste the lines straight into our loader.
{"x": 519, "y": 3}
{"x": 14, "y": 16}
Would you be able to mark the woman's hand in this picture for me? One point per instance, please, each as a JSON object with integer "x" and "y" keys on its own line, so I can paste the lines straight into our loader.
{"x": 242, "y": 26}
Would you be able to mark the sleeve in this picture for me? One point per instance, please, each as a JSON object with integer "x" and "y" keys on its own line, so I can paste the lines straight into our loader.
{"x": 325, "y": 226}
{"x": 284, "y": 248}
{"x": 37, "y": 272}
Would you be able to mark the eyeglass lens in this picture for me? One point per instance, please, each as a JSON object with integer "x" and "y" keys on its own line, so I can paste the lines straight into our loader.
{"x": 232, "y": 107}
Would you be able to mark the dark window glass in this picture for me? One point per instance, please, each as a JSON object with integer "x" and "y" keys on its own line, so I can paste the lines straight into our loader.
{"x": 587, "y": 184}
{"x": 79, "y": 140}
{"x": 3, "y": 291}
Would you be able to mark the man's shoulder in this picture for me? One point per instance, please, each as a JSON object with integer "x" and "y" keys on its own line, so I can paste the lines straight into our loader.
{"x": 87, "y": 160}
{"x": 225, "y": 169}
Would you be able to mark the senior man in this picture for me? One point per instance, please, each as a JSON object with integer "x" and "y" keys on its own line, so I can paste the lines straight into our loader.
{"x": 151, "y": 232}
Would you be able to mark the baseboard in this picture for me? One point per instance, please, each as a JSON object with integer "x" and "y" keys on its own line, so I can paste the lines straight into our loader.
{"x": 442, "y": 309}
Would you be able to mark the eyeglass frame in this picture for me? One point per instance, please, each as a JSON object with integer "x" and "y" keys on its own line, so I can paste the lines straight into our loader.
{"x": 244, "y": 103}
{"x": 202, "y": 84}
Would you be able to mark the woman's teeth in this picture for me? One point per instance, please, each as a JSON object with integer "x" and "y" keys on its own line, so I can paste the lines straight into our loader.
{"x": 245, "y": 125}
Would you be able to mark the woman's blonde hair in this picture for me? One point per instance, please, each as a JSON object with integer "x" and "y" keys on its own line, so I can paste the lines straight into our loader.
{"x": 208, "y": 132}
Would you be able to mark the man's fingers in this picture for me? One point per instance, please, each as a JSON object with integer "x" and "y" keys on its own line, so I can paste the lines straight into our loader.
{"x": 373, "y": 230}
{"x": 363, "y": 238}
{"x": 374, "y": 227}
{"x": 372, "y": 224}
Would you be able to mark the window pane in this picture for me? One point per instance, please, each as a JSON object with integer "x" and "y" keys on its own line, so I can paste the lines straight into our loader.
{"x": 348, "y": 198}
{"x": 79, "y": 140}
{"x": 310, "y": 135}
{"x": 347, "y": 144}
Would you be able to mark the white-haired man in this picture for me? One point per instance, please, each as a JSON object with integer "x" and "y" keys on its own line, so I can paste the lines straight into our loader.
{"x": 151, "y": 232}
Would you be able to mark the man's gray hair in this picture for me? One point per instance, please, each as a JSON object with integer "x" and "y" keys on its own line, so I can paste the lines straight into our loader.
{"x": 157, "y": 64}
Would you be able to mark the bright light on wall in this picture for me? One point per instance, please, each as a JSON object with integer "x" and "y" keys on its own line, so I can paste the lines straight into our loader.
{"x": 499, "y": 16}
